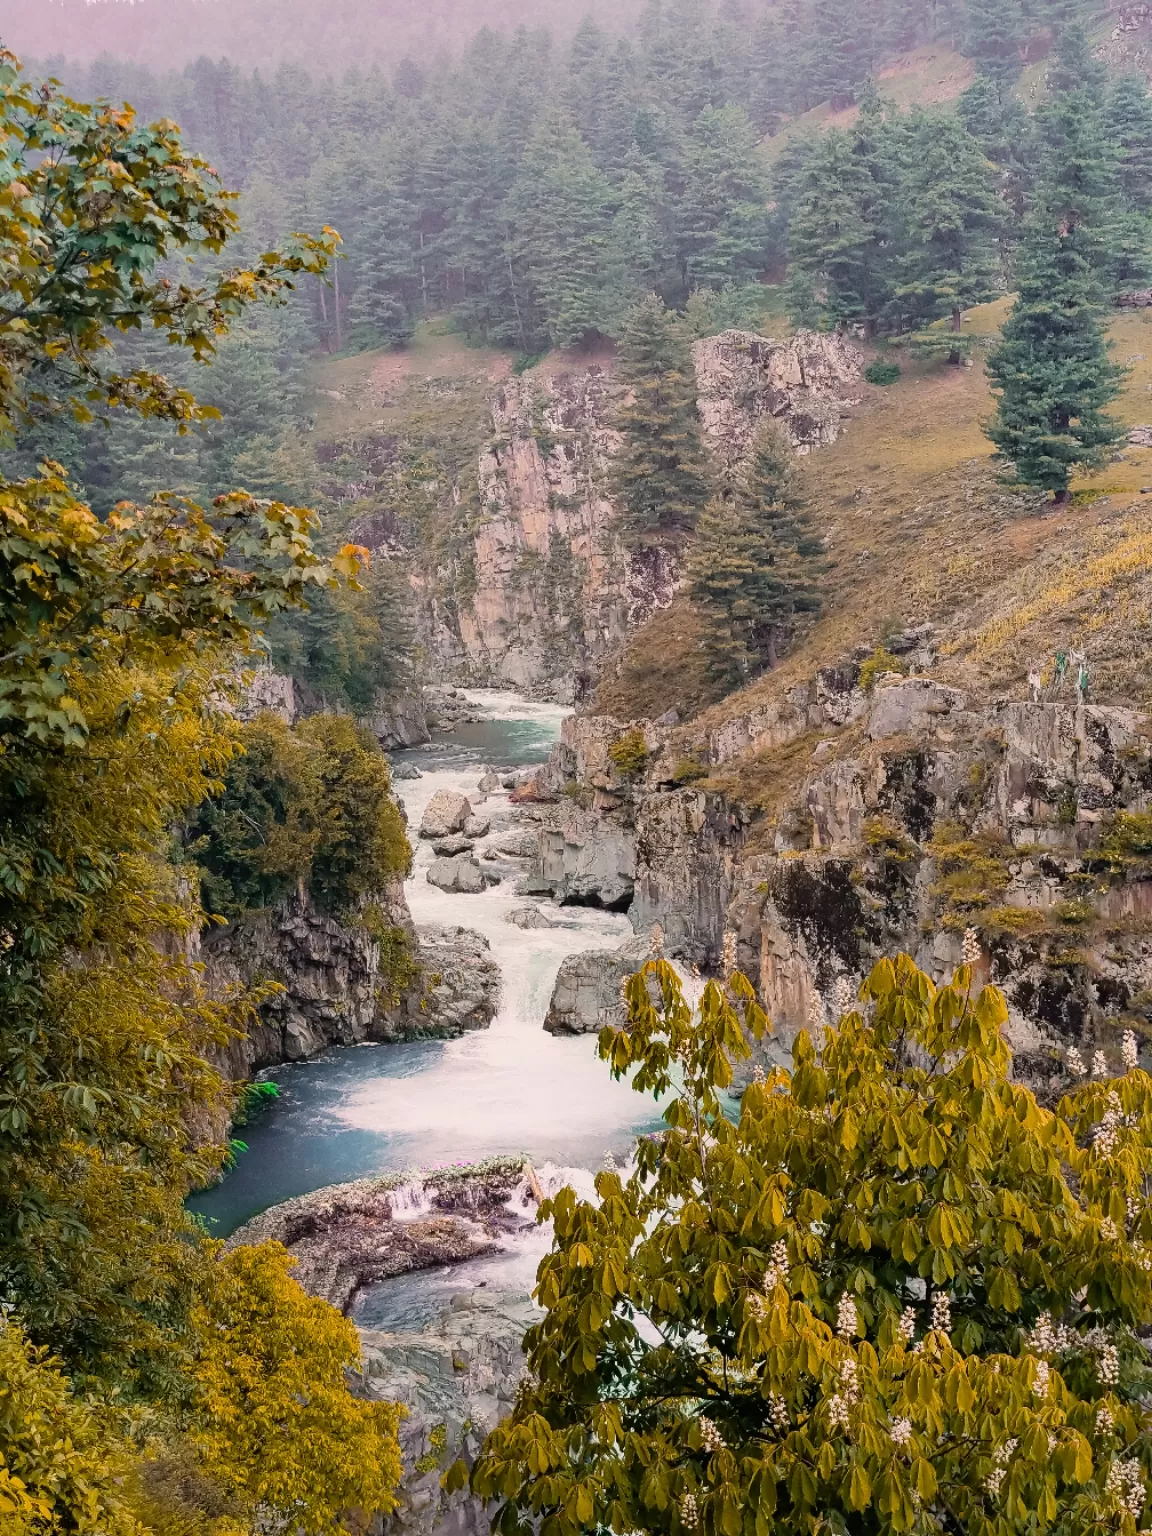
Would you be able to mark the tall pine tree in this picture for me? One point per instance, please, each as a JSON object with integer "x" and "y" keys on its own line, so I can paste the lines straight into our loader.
{"x": 660, "y": 475}
{"x": 754, "y": 564}
{"x": 1051, "y": 373}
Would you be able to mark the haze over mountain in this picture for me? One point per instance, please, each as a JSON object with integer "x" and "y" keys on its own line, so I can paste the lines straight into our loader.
{"x": 334, "y": 36}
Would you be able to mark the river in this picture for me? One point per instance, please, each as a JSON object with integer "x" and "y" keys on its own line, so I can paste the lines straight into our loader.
{"x": 510, "y": 1088}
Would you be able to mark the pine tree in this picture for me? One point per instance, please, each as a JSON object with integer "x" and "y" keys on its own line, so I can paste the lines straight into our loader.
{"x": 1051, "y": 372}
{"x": 754, "y": 564}
{"x": 950, "y": 214}
{"x": 839, "y": 250}
{"x": 660, "y": 476}
{"x": 1128, "y": 123}
{"x": 722, "y": 211}
{"x": 994, "y": 37}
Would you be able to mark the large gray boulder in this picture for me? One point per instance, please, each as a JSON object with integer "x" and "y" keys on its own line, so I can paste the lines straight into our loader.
{"x": 584, "y": 859}
{"x": 449, "y": 847}
{"x": 461, "y": 981}
{"x": 477, "y": 826}
{"x": 460, "y": 875}
{"x": 586, "y": 996}
{"x": 444, "y": 814}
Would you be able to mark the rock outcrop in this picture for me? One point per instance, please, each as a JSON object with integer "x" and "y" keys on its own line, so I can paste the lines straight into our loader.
{"x": 586, "y": 996}
{"x": 550, "y": 590}
{"x": 460, "y": 875}
{"x": 458, "y": 989}
{"x": 447, "y": 812}
{"x": 584, "y": 858}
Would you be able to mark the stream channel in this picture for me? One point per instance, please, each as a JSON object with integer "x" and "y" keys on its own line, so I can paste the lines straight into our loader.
{"x": 508, "y": 1089}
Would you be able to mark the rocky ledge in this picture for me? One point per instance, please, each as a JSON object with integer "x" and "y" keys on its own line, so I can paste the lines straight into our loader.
{"x": 349, "y": 1236}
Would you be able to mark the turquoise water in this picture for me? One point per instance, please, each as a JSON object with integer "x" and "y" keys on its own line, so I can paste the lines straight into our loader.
{"x": 511, "y": 1088}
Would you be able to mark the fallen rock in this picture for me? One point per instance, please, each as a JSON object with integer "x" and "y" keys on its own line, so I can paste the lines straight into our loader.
{"x": 477, "y": 826}
{"x": 520, "y": 844}
{"x": 405, "y": 771}
{"x": 449, "y": 847}
{"x": 530, "y": 917}
{"x": 586, "y": 996}
{"x": 489, "y": 783}
{"x": 461, "y": 981}
{"x": 444, "y": 814}
{"x": 461, "y": 875}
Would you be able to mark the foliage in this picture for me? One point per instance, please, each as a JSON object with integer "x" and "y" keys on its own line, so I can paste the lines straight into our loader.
{"x": 660, "y": 474}
{"x": 306, "y": 807}
{"x": 60, "y": 1467}
{"x": 90, "y": 208}
{"x": 880, "y": 372}
{"x": 1051, "y": 373}
{"x": 872, "y": 667}
{"x": 629, "y": 754}
{"x": 893, "y": 1292}
{"x": 753, "y": 566}
{"x": 272, "y": 1417}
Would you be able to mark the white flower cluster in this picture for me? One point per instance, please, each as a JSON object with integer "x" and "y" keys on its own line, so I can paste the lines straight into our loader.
{"x": 1099, "y": 1065}
{"x": 848, "y": 1394}
{"x": 758, "y": 1074}
{"x": 941, "y": 1313}
{"x": 710, "y": 1436}
{"x": 900, "y": 1431}
{"x": 906, "y": 1327}
{"x": 689, "y": 1514}
{"x": 610, "y": 1161}
{"x": 1108, "y": 1230}
{"x": 1002, "y": 1457}
{"x": 778, "y": 1411}
{"x": 842, "y": 997}
{"x": 777, "y": 1272}
{"x": 1125, "y": 1484}
{"x": 1130, "y": 1051}
{"x": 1041, "y": 1382}
{"x": 1108, "y": 1365}
{"x": 1048, "y": 1338}
{"x": 847, "y": 1320}
{"x": 1105, "y": 1423}
{"x": 656, "y": 941}
{"x": 1113, "y": 1121}
{"x": 838, "y": 1412}
{"x": 728, "y": 954}
{"x": 1075, "y": 1062}
{"x": 970, "y": 953}
{"x": 815, "y": 1011}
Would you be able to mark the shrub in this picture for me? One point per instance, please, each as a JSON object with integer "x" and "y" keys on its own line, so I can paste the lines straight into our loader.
{"x": 629, "y": 755}
{"x": 307, "y": 806}
{"x": 880, "y": 661}
{"x": 882, "y": 373}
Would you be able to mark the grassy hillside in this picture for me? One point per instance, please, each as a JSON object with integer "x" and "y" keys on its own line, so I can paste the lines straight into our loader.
{"x": 922, "y": 525}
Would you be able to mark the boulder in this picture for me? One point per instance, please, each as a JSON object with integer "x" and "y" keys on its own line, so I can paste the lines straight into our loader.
{"x": 444, "y": 814}
{"x": 530, "y": 917}
{"x": 584, "y": 859}
{"x": 449, "y": 847}
{"x": 398, "y": 720}
{"x": 462, "y": 981}
{"x": 586, "y": 996}
{"x": 404, "y": 770}
{"x": 461, "y": 875}
{"x": 520, "y": 844}
{"x": 477, "y": 826}
{"x": 489, "y": 783}
{"x": 912, "y": 705}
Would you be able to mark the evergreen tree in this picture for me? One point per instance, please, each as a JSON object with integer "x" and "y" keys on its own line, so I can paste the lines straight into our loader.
{"x": 949, "y": 217}
{"x": 838, "y": 245}
{"x": 994, "y": 38}
{"x": 754, "y": 564}
{"x": 660, "y": 475}
{"x": 1128, "y": 123}
{"x": 722, "y": 210}
{"x": 1051, "y": 372}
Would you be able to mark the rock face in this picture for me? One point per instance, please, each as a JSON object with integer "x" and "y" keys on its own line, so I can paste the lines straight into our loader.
{"x": 445, "y": 813}
{"x": 586, "y": 996}
{"x": 918, "y": 811}
{"x": 584, "y": 859}
{"x": 803, "y": 383}
{"x": 551, "y": 591}
{"x": 457, "y": 1377}
{"x": 460, "y": 875}
{"x": 399, "y": 720}
{"x": 460, "y": 984}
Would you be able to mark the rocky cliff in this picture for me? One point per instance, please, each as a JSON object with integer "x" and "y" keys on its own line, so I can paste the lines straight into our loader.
{"x": 545, "y": 591}
{"x": 890, "y": 818}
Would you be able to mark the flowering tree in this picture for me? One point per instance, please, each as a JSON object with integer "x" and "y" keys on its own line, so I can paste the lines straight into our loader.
{"x": 894, "y": 1294}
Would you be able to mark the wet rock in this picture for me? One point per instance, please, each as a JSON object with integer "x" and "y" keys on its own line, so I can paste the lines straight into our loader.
{"x": 530, "y": 917}
{"x": 461, "y": 875}
{"x": 489, "y": 783}
{"x": 477, "y": 826}
{"x": 448, "y": 847}
{"x": 445, "y": 813}
{"x": 461, "y": 981}
{"x": 520, "y": 844}
{"x": 402, "y": 770}
{"x": 586, "y": 996}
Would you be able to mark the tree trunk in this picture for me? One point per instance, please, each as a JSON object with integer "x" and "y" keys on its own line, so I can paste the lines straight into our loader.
{"x": 336, "y": 306}
{"x": 1061, "y": 497}
{"x": 324, "y": 316}
{"x": 954, "y": 355}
